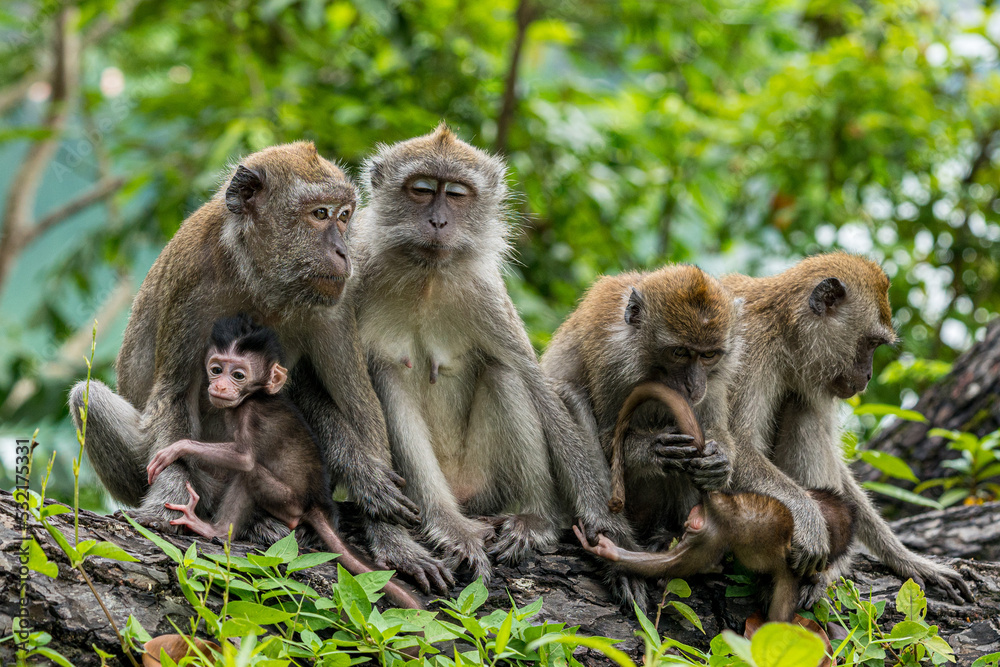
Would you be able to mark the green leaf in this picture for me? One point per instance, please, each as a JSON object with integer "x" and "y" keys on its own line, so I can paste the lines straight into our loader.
{"x": 285, "y": 549}
{"x": 901, "y": 494}
{"x": 53, "y": 510}
{"x": 893, "y": 466}
{"x": 63, "y": 543}
{"x": 52, "y": 655}
{"x": 530, "y": 610}
{"x": 373, "y": 582}
{"x": 688, "y": 613}
{"x": 911, "y": 601}
{"x": 112, "y": 551}
{"x": 351, "y": 591}
{"x": 988, "y": 660}
{"x": 938, "y": 645}
{"x": 648, "y": 630}
{"x": 306, "y": 561}
{"x": 679, "y": 587}
{"x": 39, "y": 562}
{"x": 881, "y": 410}
{"x": 264, "y": 561}
{"x": 786, "y": 645}
{"x": 953, "y": 496}
{"x": 83, "y": 547}
{"x": 740, "y": 646}
{"x": 172, "y": 552}
{"x": 503, "y": 634}
{"x": 594, "y": 643}
{"x": 257, "y": 613}
{"x": 473, "y": 597}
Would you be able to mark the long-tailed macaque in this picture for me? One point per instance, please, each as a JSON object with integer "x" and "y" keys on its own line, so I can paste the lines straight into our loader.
{"x": 677, "y": 326}
{"x": 468, "y": 411}
{"x": 810, "y": 336}
{"x": 756, "y": 529}
{"x": 273, "y": 465}
{"x": 271, "y": 243}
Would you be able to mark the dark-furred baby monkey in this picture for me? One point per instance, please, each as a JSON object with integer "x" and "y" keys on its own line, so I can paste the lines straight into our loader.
{"x": 757, "y": 529}
{"x": 273, "y": 465}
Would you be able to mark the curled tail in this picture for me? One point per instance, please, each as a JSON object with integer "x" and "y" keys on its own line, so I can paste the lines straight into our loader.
{"x": 647, "y": 391}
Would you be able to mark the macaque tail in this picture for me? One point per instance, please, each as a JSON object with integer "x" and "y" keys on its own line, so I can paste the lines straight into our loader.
{"x": 686, "y": 423}
{"x": 398, "y": 593}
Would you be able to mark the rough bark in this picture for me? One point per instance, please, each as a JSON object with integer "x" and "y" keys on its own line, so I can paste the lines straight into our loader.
{"x": 967, "y": 399}
{"x": 566, "y": 578}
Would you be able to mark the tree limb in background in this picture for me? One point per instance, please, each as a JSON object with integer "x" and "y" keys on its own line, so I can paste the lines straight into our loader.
{"x": 526, "y": 13}
{"x": 20, "y": 201}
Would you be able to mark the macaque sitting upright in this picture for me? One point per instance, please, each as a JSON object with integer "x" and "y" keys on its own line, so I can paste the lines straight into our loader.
{"x": 274, "y": 464}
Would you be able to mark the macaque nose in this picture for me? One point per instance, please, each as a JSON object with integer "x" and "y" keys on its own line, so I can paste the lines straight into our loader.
{"x": 438, "y": 224}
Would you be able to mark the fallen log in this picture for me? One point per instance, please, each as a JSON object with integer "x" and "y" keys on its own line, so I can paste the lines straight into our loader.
{"x": 566, "y": 578}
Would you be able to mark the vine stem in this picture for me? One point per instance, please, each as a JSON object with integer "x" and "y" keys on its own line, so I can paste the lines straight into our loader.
{"x": 107, "y": 613}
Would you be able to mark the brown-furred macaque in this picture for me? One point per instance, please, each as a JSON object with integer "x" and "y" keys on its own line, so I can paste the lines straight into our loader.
{"x": 810, "y": 335}
{"x": 273, "y": 465}
{"x": 756, "y": 529}
{"x": 469, "y": 414}
{"x": 271, "y": 242}
{"x": 678, "y": 326}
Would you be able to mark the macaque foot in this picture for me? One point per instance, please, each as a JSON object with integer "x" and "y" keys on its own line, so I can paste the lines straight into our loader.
{"x": 925, "y": 571}
{"x": 629, "y": 590}
{"x": 518, "y": 535}
{"x": 429, "y": 573}
{"x": 604, "y": 548}
{"x": 465, "y": 540}
{"x": 189, "y": 518}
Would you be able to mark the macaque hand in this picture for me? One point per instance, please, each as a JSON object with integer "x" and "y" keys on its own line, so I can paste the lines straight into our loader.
{"x": 712, "y": 469}
{"x": 810, "y": 541}
{"x": 386, "y": 501}
{"x": 517, "y": 535}
{"x": 163, "y": 458}
{"x": 604, "y": 548}
{"x": 673, "y": 451}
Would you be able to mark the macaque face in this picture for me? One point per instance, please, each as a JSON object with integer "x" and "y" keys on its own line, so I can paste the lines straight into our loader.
{"x": 231, "y": 378}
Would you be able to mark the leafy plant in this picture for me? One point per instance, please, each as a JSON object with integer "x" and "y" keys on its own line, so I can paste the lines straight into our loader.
{"x": 977, "y": 469}
{"x": 911, "y": 642}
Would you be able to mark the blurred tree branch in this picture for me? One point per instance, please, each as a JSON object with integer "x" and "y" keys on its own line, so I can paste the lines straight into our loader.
{"x": 527, "y": 12}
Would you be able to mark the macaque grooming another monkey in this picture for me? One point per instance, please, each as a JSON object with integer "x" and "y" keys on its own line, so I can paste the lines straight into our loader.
{"x": 676, "y": 326}
{"x": 273, "y": 464}
{"x": 469, "y": 415}
{"x": 755, "y": 528}
{"x": 810, "y": 335}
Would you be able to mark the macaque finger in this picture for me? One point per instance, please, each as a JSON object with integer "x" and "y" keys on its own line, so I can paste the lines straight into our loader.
{"x": 397, "y": 479}
{"x": 675, "y": 439}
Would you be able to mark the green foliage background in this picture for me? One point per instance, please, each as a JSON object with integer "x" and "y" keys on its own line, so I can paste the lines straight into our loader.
{"x": 735, "y": 135}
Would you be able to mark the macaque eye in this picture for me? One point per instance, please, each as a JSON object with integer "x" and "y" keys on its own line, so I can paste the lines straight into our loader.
{"x": 344, "y": 215}
{"x": 321, "y": 213}
{"x": 424, "y": 186}
{"x": 456, "y": 189}
{"x": 709, "y": 355}
{"x": 681, "y": 352}
{"x": 215, "y": 370}
{"x": 239, "y": 376}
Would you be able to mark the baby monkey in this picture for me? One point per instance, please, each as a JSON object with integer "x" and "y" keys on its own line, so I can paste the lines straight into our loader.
{"x": 274, "y": 464}
{"x": 756, "y": 529}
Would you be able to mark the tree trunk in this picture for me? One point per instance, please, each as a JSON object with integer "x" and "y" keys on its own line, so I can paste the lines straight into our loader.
{"x": 967, "y": 399}
{"x": 566, "y": 578}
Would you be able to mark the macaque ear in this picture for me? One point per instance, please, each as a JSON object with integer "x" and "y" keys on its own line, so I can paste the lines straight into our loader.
{"x": 279, "y": 374}
{"x": 245, "y": 184}
{"x": 375, "y": 174}
{"x": 826, "y": 296}
{"x": 634, "y": 308}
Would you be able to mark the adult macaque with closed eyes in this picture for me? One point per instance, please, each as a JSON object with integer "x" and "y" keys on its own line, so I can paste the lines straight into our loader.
{"x": 677, "y": 326}
{"x": 467, "y": 409}
{"x": 273, "y": 464}
{"x": 269, "y": 243}
{"x": 810, "y": 338}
